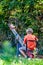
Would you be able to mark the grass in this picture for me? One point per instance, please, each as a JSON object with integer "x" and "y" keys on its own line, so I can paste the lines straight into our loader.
{"x": 21, "y": 61}
{"x": 9, "y": 57}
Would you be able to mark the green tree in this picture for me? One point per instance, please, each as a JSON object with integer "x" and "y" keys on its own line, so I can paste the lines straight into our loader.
{"x": 28, "y": 13}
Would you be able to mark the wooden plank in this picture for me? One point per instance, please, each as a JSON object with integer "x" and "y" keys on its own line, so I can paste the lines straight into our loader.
{"x": 17, "y": 36}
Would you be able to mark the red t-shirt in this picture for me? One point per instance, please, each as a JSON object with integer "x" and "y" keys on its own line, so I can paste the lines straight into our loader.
{"x": 30, "y": 40}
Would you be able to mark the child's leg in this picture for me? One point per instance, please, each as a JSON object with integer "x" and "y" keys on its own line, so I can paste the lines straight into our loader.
{"x": 22, "y": 52}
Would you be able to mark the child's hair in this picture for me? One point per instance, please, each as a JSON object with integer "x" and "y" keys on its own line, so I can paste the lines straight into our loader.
{"x": 29, "y": 30}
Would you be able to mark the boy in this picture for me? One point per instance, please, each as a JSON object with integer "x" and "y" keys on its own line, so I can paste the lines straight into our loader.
{"x": 30, "y": 40}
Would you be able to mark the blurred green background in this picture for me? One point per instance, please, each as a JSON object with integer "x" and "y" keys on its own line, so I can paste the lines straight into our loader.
{"x": 23, "y": 14}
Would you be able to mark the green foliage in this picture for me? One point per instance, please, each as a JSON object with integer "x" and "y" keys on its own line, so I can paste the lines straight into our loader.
{"x": 8, "y": 51}
{"x": 22, "y": 62}
{"x": 7, "y": 48}
{"x": 29, "y": 13}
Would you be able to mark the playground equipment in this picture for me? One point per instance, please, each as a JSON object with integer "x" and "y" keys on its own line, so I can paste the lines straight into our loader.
{"x": 18, "y": 38}
{"x": 12, "y": 28}
{"x": 20, "y": 41}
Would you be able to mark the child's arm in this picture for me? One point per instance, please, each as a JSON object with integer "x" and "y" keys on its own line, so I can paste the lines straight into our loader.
{"x": 36, "y": 39}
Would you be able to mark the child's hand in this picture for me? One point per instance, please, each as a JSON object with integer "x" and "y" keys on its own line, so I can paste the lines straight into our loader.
{"x": 34, "y": 48}
{"x": 12, "y": 26}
